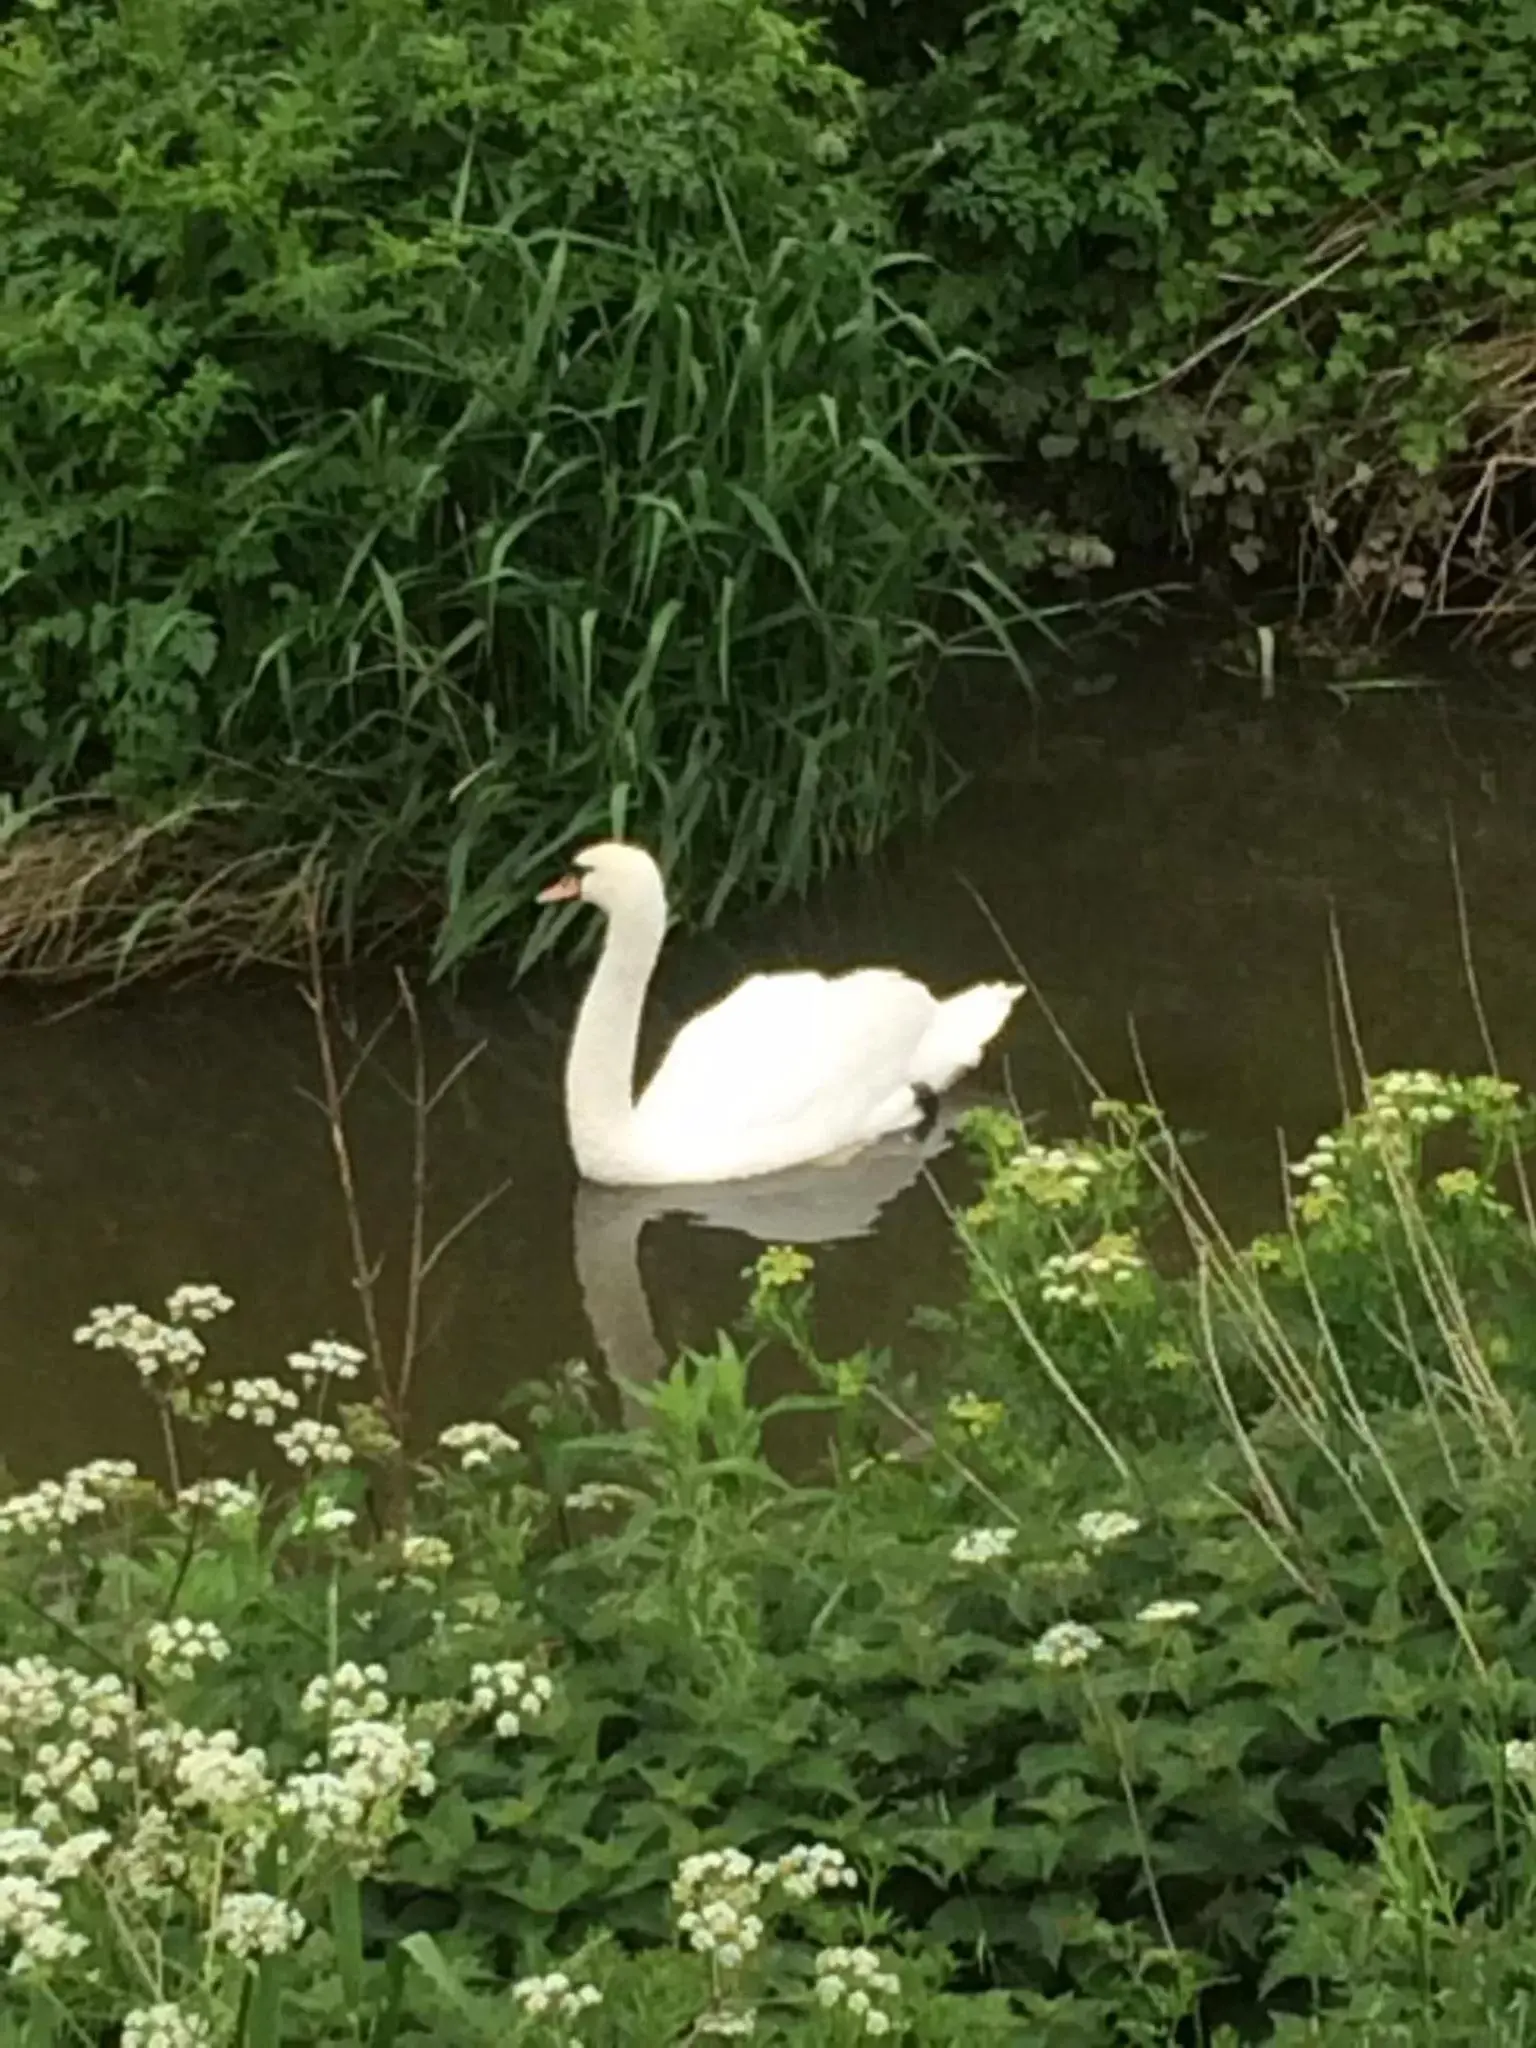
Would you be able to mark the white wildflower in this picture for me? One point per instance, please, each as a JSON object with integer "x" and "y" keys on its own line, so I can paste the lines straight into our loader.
{"x": 82, "y": 1719}
{"x": 983, "y": 1546}
{"x": 718, "y": 1891}
{"x": 150, "y": 1860}
{"x": 380, "y": 1760}
{"x": 32, "y": 1916}
{"x": 598, "y": 1496}
{"x": 307, "y": 1442}
{"x": 197, "y": 1302}
{"x": 809, "y": 1868}
{"x": 478, "y": 1444}
{"x": 327, "y": 1359}
{"x": 22, "y": 1846}
{"x": 554, "y": 1996}
{"x": 322, "y": 1516}
{"x": 1158, "y": 1611}
{"x": 176, "y": 1648}
{"x": 252, "y": 1924}
{"x": 854, "y": 1979}
{"x": 1088, "y": 1279}
{"x": 329, "y": 1806}
{"x": 509, "y": 1693}
{"x": 77, "y": 1853}
{"x": 259, "y": 1401}
{"x": 58, "y": 1505}
{"x": 1520, "y": 1759}
{"x": 1067, "y": 1644}
{"x": 1100, "y": 1527}
{"x": 224, "y": 1499}
{"x": 165, "y": 2026}
{"x": 216, "y": 1772}
{"x": 422, "y": 1559}
{"x": 67, "y": 1778}
{"x": 1055, "y": 1176}
{"x": 151, "y": 1344}
{"x": 352, "y": 1692}
{"x": 735, "y": 2023}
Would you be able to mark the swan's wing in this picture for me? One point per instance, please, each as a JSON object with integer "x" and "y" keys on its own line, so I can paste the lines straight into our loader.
{"x": 781, "y": 1045}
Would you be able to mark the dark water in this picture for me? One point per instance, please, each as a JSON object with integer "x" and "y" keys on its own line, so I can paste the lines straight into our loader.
{"x": 1167, "y": 855}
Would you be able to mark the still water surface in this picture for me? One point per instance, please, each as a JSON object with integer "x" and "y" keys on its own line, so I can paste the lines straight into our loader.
{"x": 1172, "y": 863}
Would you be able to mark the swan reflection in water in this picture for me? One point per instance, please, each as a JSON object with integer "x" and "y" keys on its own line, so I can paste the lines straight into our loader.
{"x": 807, "y": 1205}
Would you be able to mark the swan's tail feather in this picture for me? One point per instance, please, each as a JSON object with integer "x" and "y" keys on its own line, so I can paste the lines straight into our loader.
{"x": 962, "y": 1029}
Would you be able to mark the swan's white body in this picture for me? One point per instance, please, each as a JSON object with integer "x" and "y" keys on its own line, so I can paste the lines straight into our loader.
{"x": 787, "y": 1070}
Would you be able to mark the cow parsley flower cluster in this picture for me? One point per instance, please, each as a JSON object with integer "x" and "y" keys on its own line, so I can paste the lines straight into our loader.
{"x": 1087, "y": 1279}
{"x": 155, "y": 1347}
{"x": 983, "y": 1546}
{"x": 259, "y": 1401}
{"x": 319, "y": 1515}
{"x": 1100, "y": 1527}
{"x": 1164, "y": 1613}
{"x": 225, "y": 1499}
{"x": 217, "y": 1774}
{"x": 32, "y": 1919}
{"x": 196, "y": 1301}
{"x": 601, "y": 1497}
{"x": 352, "y": 1692}
{"x": 347, "y": 1798}
{"x": 326, "y": 1359}
{"x": 554, "y": 1996}
{"x": 1054, "y": 1176}
{"x": 1402, "y": 1108}
{"x": 476, "y": 1445}
{"x": 720, "y": 1894}
{"x": 1066, "y": 1645}
{"x": 165, "y": 2026}
{"x": 855, "y": 1980}
{"x": 809, "y": 1868}
{"x": 253, "y": 1924}
{"x": 174, "y": 1649}
{"x": 421, "y": 1561}
{"x": 509, "y": 1694}
{"x": 65, "y": 1735}
{"x": 307, "y": 1442}
{"x": 55, "y": 1506}
{"x": 717, "y": 1893}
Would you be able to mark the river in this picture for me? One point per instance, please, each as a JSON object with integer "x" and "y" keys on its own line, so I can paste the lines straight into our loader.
{"x": 1169, "y": 854}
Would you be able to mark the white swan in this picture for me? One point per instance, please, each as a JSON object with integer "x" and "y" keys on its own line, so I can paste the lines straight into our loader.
{"x": 787, "y": 1070}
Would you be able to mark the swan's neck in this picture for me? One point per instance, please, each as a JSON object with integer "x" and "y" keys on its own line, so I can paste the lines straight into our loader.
{"x": 600, "y": 1072}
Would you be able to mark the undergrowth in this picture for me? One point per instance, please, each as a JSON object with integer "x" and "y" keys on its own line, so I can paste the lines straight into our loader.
{"x": 430, "y": 435}
{"x": 1276, "y": 264}
{"x": 1180, "y": 1688}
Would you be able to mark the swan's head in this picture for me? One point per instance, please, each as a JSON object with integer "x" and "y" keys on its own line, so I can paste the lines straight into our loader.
{"x": 612, "y": 875}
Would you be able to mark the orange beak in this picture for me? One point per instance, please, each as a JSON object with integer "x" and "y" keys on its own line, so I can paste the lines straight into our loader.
{"x": 566, "y": 890}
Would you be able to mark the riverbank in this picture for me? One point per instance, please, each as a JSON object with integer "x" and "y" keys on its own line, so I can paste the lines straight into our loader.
{"x": 847, "y": 346}
{"x": 1172, "y": 1677}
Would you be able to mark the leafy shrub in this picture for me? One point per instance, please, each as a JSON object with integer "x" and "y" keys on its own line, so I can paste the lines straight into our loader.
{"x": 432, "y": 432}
{"x": 1289, "y": 252}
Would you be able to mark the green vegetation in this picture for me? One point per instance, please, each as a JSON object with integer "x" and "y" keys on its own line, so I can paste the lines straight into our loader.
{"x": 1275, "y": 263}
{"x": 1175, "y": 1684}
{"x": 433, "y": 432}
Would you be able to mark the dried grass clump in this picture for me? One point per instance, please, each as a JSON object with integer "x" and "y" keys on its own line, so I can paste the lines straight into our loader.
{"x": 1458, "y": 544}
{"x": 89, "y": 897}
